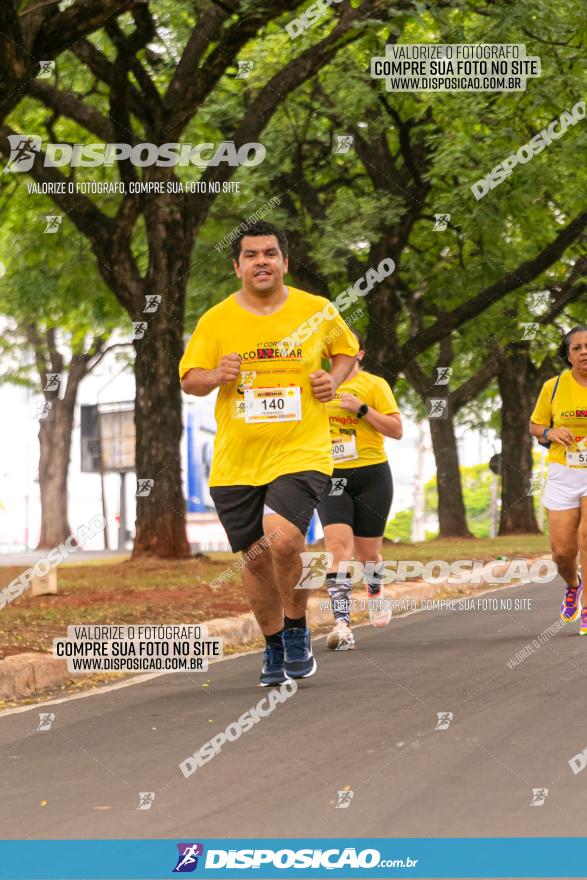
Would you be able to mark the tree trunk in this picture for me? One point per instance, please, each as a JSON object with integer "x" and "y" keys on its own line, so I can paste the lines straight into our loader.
{"x": 419, "y": 515}
{"x": 160, "y": 526}
{"x": 452, "y": 517}
{"x": 55, "y": 427}
{"x": 55, "y": 449}
{"x": 517, "y": 380}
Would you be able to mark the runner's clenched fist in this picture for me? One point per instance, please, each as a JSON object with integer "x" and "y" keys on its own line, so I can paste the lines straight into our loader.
{"x": 323, "y": 386}
{"x": 228, "y": 369}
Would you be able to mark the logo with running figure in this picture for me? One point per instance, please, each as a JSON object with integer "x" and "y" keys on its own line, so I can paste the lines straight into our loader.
{"x": 315, "y": 567}
{"x": 144, "y": 487}
{"x": 441, "y": 222}
{"x": 52, "y": 382}
{"x": 23, "y": 150}
{"x": 247, "y": 380}
{"x": 46, "y": 719}
{"x": 152, "y": 303}
{"x": 530, "y": 330}
{"x": 244, "y": 69}
{"x": 344, "y": 799}
{"x": 437, "y": 407}
{"x": 187, "y": 860}
{"x": 46, "y": 69}
{"x": 338, "y": 485}
{"x": 146, "y": 799}
{"x": 44, "y": 410}
{"x": 537, "y": 484}
{"x": 138, "y": 329}
{"x": 53, "y": 222}
{"x": 444, "y": 374}
{"x": 444, "y": 719}
{"x": 344, "y": 143}
{"x": 539, "y": 301}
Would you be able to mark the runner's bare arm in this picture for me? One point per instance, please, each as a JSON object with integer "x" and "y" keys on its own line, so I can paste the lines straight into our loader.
{"x": 340, "y": 367}
{"x": 556, "y": 435}
{"x": 201, "y": 382}
{"x": 390, "y": 425}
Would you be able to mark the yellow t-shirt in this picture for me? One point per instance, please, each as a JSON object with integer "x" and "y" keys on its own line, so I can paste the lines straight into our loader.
{"x": 356, "y": 443}
{"x": 567, "y": 410}
{"x": 282, "y": 428}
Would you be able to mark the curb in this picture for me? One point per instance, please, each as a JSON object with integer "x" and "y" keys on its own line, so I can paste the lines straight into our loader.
{"x": 23, "y": 675}
{"x": 234, "y": 630}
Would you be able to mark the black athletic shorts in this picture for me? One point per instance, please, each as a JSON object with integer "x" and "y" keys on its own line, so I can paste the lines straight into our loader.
{"x": 360, "y": 498}
{"x": 293, "y": 496}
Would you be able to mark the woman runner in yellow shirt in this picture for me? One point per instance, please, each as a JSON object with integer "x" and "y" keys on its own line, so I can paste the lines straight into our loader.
{"x": 559, "y": 420}
{"x": 355, "y": 511}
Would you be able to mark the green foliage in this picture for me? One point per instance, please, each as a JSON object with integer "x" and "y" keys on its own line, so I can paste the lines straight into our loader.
{"x": 476, "y": 482}
{"x": 51, "y": 281}
{"x": 400, "y": 527}
{"x": 330, "y": 199}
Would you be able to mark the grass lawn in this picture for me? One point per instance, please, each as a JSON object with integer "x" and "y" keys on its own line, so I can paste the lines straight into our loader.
{"x": 473, "y": 548}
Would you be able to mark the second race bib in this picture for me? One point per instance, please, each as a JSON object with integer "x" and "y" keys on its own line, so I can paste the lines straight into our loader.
{"x": 576, "y": 459}
{"x": 273, "y": 404}
{"x": 344, "y": 450}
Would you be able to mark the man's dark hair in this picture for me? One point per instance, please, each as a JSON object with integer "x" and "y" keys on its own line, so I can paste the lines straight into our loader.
{"x": 360, "y": 339}
{"x": 259, "y": 228}
{"x": 563, "y": 351}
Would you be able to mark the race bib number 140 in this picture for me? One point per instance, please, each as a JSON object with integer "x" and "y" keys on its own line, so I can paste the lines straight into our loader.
{"x": 268, "y": 405}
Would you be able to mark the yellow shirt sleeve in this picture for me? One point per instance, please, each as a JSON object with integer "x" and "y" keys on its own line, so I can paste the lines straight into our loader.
{"x": 202, "y": 350}
{"x": 339, "y": 339}
{"x": 383, "y": 399}
{"x": 542, "y": 414}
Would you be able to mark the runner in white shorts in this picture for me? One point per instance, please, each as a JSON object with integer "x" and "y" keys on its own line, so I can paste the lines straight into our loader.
{"x": 559, "y": 421}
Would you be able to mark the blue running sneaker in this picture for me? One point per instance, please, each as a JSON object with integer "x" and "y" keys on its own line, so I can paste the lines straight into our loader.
{"x": 273, "y": 672}
{"x": 571, "y": 607}
{"x": 299, "y": 660}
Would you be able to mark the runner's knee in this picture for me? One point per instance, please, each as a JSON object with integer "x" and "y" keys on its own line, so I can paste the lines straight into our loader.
{"x": 258, "y": 558}
{"x": 286, "y": 551}
{"x": 341, "y": 548}
{"x": 564, "y": 556}
{"x": 288, "y": 546}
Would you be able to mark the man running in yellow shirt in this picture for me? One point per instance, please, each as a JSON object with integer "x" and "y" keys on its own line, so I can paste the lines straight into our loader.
{"x": 559, "y": 421}
{"x": 355, "y": 511}
{"x": 263, "y": 347}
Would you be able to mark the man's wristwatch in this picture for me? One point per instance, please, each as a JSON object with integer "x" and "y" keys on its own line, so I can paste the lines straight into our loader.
{"x": 362, "y": 411}
{"x": 544, "y": 433}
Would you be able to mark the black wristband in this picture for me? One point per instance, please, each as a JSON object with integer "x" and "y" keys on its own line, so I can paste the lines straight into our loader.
{"x": 363, "y": 410}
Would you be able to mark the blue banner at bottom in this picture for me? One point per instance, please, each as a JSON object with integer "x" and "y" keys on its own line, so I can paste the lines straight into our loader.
{"x": 301, "y": 857}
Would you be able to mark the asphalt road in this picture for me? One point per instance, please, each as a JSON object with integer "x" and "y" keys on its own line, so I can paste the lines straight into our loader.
{"x": 367, "y": 721}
